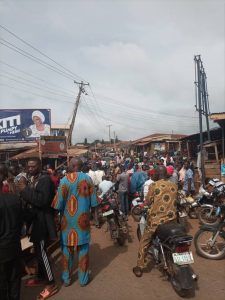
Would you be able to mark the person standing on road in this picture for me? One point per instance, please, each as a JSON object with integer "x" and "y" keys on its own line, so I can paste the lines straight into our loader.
{"x": 10, "y": 247}
{"x": 189, "y": 187}
{"x": 161, "y": 197}
{"x": 76, "y": 195}
{"x": 122, "y": 179}
{"x": 105, "y": 185}
{"x": 38, "y": 194}
{"x": 99, "y": 173}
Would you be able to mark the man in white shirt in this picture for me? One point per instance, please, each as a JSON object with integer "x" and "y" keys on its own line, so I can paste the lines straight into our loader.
{"x": 148, "y": 182}
{"x": 105, "y": 185}
{"x": 92, "y": 174}
{"x": 99, "y": 173}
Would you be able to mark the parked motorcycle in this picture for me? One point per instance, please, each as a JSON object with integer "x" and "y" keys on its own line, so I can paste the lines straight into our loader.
{"x": 209, "y": 240}
{"x": 187, "y": 205}
{"x": 207, "y": 212}
{"x": 116, "y": 220}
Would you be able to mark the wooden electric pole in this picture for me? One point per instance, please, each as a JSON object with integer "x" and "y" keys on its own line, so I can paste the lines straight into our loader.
{"x": 81, "y": 90}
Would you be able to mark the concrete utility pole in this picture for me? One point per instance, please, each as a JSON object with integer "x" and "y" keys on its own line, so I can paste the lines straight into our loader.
{"x": 109, "y": 132}
{"x": 81, "y": 90}
{"x": 114, "y": 140}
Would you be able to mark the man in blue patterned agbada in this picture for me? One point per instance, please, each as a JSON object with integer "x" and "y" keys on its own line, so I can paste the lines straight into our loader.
{"x": 74, "y": 199}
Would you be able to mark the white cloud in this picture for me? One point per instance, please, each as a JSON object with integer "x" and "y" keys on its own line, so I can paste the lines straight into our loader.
{"x": 136, "y": 53}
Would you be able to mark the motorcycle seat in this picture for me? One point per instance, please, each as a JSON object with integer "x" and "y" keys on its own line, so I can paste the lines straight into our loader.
{"x": 170, "y": 230}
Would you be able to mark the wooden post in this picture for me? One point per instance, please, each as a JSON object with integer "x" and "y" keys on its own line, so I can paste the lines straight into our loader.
{"x": 216, "y": 152}
{"x": 39, "y": 150}
{"x": 188, "y": 149}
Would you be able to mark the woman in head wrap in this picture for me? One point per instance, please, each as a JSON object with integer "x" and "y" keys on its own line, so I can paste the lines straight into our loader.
{"x": 39, "y": 128}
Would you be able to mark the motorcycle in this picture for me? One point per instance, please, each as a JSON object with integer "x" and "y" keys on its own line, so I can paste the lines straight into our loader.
{"x": 136, "y": 207}
{"x": 170, "y": 249}
{"x": 187, "y": 205}
{"x": 207, "y": 212}
{"x": 209, "y": 240}
{"x": 116, "y": 220}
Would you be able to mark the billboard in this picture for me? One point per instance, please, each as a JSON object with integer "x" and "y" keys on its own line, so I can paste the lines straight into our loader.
{"x": 24, "y": 125}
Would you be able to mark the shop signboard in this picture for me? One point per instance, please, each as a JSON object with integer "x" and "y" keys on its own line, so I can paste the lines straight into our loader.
{"x": 159, "y": 146}
{"x": 55, "y": 145}
{"x": 24, "y": 125}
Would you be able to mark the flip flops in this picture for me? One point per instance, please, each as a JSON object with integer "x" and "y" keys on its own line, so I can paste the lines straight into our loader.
{"x": 137, "y": 271}
{"x": 47, "y": 293}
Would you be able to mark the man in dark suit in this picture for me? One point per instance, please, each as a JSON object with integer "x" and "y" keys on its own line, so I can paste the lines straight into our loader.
{"x": 38, "y": 195}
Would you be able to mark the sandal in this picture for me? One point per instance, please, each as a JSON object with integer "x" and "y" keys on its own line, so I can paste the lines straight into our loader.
{"x": 137, "y": 271}
{"x": 34, "y": 282}
{"x": 47, "y": 293}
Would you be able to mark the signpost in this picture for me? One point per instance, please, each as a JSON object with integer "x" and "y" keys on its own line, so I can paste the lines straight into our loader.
{"x": 52, "y": 146}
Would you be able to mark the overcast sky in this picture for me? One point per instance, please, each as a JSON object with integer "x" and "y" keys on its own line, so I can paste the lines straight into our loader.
{"x": 138, "y": 57}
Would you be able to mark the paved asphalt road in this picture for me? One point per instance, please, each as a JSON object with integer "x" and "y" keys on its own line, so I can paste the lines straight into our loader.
{"x": 111, "y": 267}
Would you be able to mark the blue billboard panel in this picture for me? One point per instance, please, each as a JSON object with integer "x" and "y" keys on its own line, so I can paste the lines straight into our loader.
{"x": 24, "y": 124}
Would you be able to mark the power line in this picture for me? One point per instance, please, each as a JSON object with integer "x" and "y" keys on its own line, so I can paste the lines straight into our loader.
{"x": 91, "y": 111}
{"x": 37, "y": 60}
{"x": 35, "y": 94}
{"x": 35, "y": 77}
{"x": 39, "y": 51}
{"x": 137, "y": 115}
{"x": 143, "y": 109}
{"x": 34, "y": 85}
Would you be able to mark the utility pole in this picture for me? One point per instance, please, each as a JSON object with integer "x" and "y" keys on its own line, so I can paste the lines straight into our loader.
{"x": 81, "y": 90}
{"x": 114, "y": 140}
{"x": 109, "y": 132}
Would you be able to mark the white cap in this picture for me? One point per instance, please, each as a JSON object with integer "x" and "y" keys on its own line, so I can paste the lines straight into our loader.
{"x": 39, "y": 114}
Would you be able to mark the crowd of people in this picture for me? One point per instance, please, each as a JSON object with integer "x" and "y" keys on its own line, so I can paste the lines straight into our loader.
{"x": 34, "y": 195}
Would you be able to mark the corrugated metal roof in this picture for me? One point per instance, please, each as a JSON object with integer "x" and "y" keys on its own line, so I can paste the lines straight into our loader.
{"x": 159, "y": 137}
{"x": 60, "y": 126}
{"x": 35, "y": 153}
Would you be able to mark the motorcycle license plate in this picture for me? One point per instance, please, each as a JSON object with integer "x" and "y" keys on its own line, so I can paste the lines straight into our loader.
{"x": 108, "y": 213}
{"x": 134, "y": 202}
{"x": 184, "y": 258}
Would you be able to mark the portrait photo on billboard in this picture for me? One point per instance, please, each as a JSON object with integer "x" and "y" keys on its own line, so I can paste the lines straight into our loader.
{"x": 24, "y": 125}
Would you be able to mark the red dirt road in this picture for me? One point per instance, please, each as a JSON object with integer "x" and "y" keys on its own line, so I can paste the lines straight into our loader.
{"x": 111, "y": 267}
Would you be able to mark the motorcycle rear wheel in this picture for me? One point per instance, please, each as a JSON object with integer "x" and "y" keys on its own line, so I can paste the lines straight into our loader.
{"x": 121, "y": 239}
{"x": 207, "y": 219}
{"x": 175, "y": 283}
{"x": 181, "y": 292}
{"x": 193, "y": 214}
{"x": 216, "y": 251}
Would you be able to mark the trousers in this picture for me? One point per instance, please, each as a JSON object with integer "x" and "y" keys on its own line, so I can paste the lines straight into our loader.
{"x": 123, "y": 197}
{"x": 83, "y": 263}
{"x": 144, "y": 246}
{"x": 10, "y": 280}
{"x": 44, "y": 266}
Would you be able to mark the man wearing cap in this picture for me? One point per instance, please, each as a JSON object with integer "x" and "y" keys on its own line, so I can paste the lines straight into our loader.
{"x": 173, "y": 177}
{"x": 39, "y": 128}
{"x": 161, "y": 197}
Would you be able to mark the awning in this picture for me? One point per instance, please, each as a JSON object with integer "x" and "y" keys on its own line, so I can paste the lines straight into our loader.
{"x": 73, "y": 152}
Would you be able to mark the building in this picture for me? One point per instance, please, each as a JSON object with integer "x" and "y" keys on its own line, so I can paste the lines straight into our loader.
{"x": 158, "y": 142}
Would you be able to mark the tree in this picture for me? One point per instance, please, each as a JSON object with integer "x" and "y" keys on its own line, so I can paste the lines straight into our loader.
{"x": 85, "y": 141}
